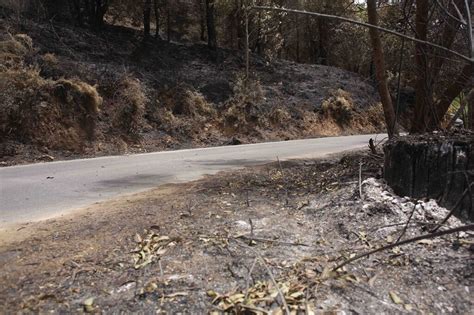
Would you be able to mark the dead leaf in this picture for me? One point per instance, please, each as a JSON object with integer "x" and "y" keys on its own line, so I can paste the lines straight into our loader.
{"x": 372, "y": 280}
{"x": 88, "y": 305}
{"x": 408, "y": 307}
{"x": 395, "y": 298}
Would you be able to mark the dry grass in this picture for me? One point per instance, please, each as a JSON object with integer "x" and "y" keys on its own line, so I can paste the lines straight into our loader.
{"x": 52, "y": 113}
{"x": 184, "y": 100}
{"x": 128, "y": 105}
{"x": 279, "y": 116}
{"x": 338, "y": 107}
{"x": 243, "y": 111}
{"x": 50, "y": 59}
{"x": 18, "y": 45}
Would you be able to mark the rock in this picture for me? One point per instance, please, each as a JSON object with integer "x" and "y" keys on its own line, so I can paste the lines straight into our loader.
{"x": 46, "y": 158}
{"x": 234, "y": 141}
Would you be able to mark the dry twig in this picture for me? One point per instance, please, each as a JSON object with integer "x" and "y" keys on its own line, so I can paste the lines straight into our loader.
{"x": 468, "y": 227}
{"x": 408, "y": 222}
{"x": 360, "y": 181}
{"x": 284, "y": 181}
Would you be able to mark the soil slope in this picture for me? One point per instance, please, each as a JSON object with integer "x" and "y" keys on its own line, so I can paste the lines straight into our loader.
{"x": 159, "y": 95}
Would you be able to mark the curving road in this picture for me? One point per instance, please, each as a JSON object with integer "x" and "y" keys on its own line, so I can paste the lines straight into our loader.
{"x": 39, "y": 191}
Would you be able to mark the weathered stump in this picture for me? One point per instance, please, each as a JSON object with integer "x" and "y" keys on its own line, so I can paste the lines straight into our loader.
{"x": 433, "y": 166}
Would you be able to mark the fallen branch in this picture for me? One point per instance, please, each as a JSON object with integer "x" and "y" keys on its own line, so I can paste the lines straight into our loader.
{"x": 247, "y": 281}
{"x": 468, "y": 227}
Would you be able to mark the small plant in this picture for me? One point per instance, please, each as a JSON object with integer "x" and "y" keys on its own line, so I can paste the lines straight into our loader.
{"x": 244, "y": 108}
{"x": 279, "y": 116}
{"x": 49, "y": 59}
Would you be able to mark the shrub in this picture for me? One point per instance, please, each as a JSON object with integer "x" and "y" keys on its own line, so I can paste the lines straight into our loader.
{"x": 279, "y": 116}
{"x": 244, "y": 108}
{"x": 184, "y": 100}
{"x": 53, "y": 113}
{"x": 49, "y": 59}
{"x": 129, "y": 105}
{"x": 338, "y": 106}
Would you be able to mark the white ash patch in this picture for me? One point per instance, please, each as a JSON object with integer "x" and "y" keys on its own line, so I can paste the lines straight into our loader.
{"x": 380, "y": 199}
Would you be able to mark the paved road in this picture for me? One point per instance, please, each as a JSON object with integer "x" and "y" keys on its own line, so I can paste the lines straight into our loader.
{"x": 39, "y": 191}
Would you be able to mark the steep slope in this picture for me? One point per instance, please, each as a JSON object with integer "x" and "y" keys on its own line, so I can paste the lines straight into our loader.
{"x": 161, "y": 95}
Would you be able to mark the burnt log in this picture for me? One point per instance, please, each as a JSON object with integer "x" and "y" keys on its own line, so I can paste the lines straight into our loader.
{"x": 433, "y": 166}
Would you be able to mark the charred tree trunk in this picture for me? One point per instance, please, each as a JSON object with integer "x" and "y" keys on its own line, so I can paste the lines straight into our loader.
{"x": 298, "y": 38}
{"x": 379, "y": 61}
{"x": 211, "y": 25}
{"x": 434, "y": 167}
{"x": 147, "y": 18}
{"x": 168, "y": 24}
{"x": 202, "y": 20}
{"x": 156, "y": 9}
{"x": 423, "y": 105}
{"x": 470, "y": 109}
{"x": 322, "y": 42}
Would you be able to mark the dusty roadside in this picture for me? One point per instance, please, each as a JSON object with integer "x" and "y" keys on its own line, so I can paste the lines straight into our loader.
{"x": 188, "y": 248}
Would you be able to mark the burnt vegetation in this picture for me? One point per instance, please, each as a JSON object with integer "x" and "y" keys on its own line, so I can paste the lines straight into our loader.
{"x": 99, "y": 77}
{"x": 106, "y": 77}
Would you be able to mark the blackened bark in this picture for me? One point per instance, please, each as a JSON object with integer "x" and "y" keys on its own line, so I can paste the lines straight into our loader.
{"x": 433, "y": 167}
{"x": 211, "y": 25}
{"x": 156, "y": 8}
{"x": 423, "y": 106}
{"x": 146, "y": 18}
{"x": 470, "y": 106}
{"x": 322, "y": 42}
{"x": 202, "y": 19}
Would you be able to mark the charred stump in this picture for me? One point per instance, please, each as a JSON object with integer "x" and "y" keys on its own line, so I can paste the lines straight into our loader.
{"x": 434, "y": 166}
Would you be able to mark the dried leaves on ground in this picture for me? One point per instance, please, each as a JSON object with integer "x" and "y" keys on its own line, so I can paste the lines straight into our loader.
{"x": 259, "y": 240}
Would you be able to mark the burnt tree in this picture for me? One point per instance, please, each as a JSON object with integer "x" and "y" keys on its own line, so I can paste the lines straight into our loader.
{"x": 439, "y": 167}
{"x": 146, "y": 18}
{"x": 211, "y": 24}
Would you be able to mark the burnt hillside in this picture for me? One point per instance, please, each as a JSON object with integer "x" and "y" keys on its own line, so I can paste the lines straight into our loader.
{"x": 160, "y": 95}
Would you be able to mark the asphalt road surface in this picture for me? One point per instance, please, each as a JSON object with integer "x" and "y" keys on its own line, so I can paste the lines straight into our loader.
{"x": 45, "y": 190}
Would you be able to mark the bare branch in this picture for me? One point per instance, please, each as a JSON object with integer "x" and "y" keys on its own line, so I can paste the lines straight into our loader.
{"x": 468, "y": 227}
{"x": 446, "y": 11}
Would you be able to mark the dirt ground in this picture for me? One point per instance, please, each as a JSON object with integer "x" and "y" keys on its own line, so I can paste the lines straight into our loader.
{"x": 222, "y": 243}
